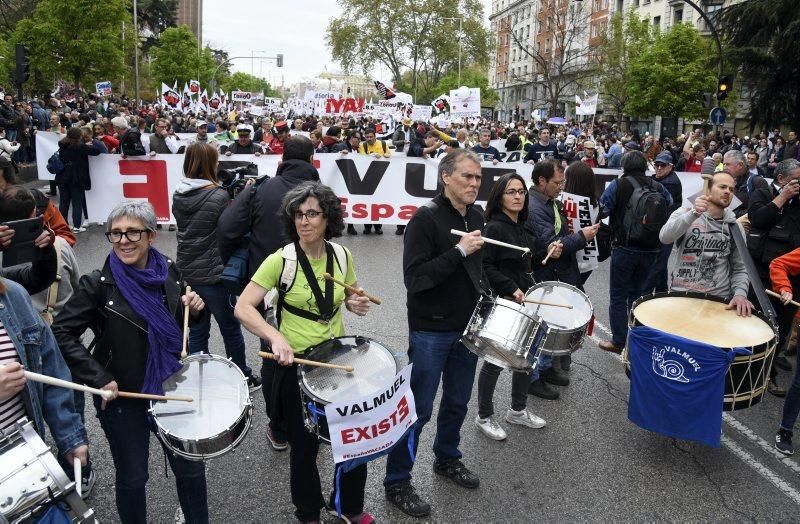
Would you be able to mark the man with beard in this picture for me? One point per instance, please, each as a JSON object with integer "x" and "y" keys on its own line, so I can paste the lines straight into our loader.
{"x": 707, "y": 260}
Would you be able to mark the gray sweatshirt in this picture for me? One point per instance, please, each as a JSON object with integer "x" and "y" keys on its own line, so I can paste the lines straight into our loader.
{"x": 706, "y": 260}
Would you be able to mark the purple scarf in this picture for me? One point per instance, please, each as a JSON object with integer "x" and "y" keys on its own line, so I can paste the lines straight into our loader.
{"x": 142, "y": 288}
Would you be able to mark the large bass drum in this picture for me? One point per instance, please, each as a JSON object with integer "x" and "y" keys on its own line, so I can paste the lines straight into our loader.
{"x": 703, "y": 318}
{"x": 218, "y": 418}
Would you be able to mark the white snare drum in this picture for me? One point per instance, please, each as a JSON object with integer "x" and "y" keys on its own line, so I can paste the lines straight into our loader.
{"x": 567, "y": 327}
{"x": 504, "y": 333}
{"x": 31, "y": 478}
{"x": 218, "y": 418}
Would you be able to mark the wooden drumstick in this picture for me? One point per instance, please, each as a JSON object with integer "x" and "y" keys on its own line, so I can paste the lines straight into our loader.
{"x": 271, "y": 356}
{"x": 374, "y": 300}
{"x": 549, "y": 253}
{"x": 543, "y": 303}
{"x": 778, "y": 295}
{"x": 76, "y": 470}
{"x": 186, "y": 323}
{"x": 492, "y": 241}
{"x": 52, "y": 381}
{"x": 148, "y": 396}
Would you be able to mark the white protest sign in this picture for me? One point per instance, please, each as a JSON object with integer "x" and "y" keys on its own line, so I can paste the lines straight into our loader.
{"x": 103, "y": 88}
{"x": 241, "y": 96}
{"x": 374, "y": 423}
{"x": 421, "y": 113}
{"x": 465, "y": 104}
{"x": 580, "y": 213}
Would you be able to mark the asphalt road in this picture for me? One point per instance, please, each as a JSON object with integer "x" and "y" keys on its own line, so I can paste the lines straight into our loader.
{"x": 588, "y": 464}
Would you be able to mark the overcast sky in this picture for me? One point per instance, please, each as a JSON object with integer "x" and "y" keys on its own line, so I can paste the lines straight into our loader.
{"x": 300, "y": 37}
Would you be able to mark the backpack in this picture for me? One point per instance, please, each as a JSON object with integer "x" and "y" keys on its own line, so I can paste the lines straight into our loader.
{"x": 646, "y": 212}
{"x": 131, "y": 143}
{"x": 289, "y": 273}
{"x": 54, "y": 164}
{"x": 364, "y": 146}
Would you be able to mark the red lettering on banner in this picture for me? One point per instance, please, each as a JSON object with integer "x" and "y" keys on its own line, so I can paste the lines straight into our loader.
{"x": 376, "y": 212}
{"x": 333, "y": 105}
{"x": 406, "y": 212}
{"x": 570, "y": 208}
{"x": 402, "y": 408}
{"x": 360, "y": 211}
{"x": 347, "y": 436}
{"x": 357, "y": 434}
{"x": 379, "y": 211}
{"x": 316, "y": 164}
{"x": 155, "y": 190}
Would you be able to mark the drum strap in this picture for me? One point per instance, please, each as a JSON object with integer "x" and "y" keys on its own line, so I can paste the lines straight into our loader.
{"x": 324, "y": 302}
{"x": 755, "y": 280}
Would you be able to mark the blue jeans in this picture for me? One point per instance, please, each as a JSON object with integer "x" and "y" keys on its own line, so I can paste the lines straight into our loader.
{"x": 437, "y": 356}
{"x": 791, "y": 406}
{"x": 127, "y": 427}
{"x": 630, "y": 269}
{"x": 545, "y": 363}
{"x": 657, "y": 281}
{"x": 218, "y": 303}
{"x": 71, "y": 195}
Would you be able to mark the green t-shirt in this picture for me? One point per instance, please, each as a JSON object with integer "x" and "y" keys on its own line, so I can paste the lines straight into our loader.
{"x": 302, "y": 333}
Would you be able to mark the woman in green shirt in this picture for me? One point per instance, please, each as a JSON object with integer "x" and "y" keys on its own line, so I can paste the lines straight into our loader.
{"x": 309, "y": 314}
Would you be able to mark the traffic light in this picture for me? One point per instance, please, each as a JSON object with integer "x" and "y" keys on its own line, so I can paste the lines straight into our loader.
{"x": 723, "y": 87}
{"x": 280, "y": 60}
{"x": 22, "y": 72}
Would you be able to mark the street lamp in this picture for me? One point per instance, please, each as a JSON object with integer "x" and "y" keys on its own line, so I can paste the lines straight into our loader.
{"x": 460, "y": 21}
{"x": 136, "y": 50}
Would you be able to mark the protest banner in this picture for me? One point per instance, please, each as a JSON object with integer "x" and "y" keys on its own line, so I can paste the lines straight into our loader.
{"x": 465, "y": 103}
{"x": 103, "y": 88}
{"x": 344, "y": 106}
{"x": 421, "y": 113}
{"x": 580, "y": 213}
{"x": 374, "y": 423}
{"x": 384, "y": 191}
{"x": 241, "y": 96}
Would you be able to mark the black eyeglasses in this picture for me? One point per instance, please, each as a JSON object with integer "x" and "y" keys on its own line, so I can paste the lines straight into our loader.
{"x": 133, "y": 235}
{"x": 311, "y": 214}
{"x": 512, "y": 192}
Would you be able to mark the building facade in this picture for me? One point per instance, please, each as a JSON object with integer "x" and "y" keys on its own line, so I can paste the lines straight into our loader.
{"x": 190, "y": 12}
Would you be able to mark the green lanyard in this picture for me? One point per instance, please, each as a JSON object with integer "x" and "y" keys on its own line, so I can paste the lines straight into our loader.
{"x": 557, "y": 223}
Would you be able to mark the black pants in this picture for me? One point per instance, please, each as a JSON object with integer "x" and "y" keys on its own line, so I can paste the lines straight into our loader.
{"x": 71, "y": 195}
{"x": 304, "y": 474}
{"x": 487, "y": 381}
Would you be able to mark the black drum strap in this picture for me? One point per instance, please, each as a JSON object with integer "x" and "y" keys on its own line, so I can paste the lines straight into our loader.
{"x": 755, "y": 280}
{"x": 324, "y": 302}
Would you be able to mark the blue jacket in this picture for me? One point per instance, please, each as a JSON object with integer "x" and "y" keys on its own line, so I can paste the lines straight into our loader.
{"x": 541, "y": 224}
{"x": 38, "y": 352}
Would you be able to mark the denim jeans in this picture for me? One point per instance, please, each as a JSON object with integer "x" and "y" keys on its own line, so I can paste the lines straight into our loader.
{"x": 544, "y": 363}
{"x": 127, "y": 428}
{"x": 630, "y": 269}
{"x": 217, "y": 300}
{"x": 657, "y": 280}
{"x": 437, "y": 356}
{"x": 71, "y": 195}
{"x": 791, "y": 406}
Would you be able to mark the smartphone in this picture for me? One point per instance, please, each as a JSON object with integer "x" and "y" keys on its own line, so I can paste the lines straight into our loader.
{"x": 22, "y": 248}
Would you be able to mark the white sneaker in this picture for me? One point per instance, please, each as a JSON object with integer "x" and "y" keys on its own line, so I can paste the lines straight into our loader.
{"x": 490, "y": 428}
{"x": 179, "y": 518}
{"x": 78, "y": 229}
{"x": 524, "y": 418}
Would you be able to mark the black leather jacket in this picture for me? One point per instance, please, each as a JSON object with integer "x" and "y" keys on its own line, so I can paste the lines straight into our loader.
{"x": 121, "y": 346}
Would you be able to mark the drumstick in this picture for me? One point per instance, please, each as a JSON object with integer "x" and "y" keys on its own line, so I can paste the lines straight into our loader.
{"x": 549, "y": 252}
{"x": 76, "y": 473}
{"x": 186, "y": 324}
{"x": 148, "y": 396}
{"x": 374, "y": 300}
{"x": 271, "y": 356}
{"x": 492, "y": 241}
{"x": 777, "y": 295}
{"x": 543, "y": 303}
{"x": 52, "y": 381}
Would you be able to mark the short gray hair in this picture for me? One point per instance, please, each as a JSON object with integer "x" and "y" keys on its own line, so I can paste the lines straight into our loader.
{"x": 734, "y": 155}
{"x": 787, "y": 167}
{"x": 135, "y": 210}
{"x": 448, "y": 163}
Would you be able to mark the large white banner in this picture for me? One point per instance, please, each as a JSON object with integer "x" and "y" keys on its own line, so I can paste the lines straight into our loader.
{"x": 384, "y": 191}
{"x": 374, "y": 423}
{"x": 580, "y": 213}
{"x": 465, "y": 105}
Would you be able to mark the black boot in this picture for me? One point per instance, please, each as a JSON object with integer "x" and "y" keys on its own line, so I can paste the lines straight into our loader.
{"x": 539, "y": 388}
{"x": 351, "y": 230}
{"x": 554, "y": 376}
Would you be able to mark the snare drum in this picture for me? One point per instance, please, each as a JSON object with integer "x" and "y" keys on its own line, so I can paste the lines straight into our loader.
{"x": 218, "y": 418}
{"x": 374, "y": 367}
{"x": 504, "y": 333}
{"x": 31, "y": 478}
{"x": 703, "y": 318}
{"x": 567, "y": 327}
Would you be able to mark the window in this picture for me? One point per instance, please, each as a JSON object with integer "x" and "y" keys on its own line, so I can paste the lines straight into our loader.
{"x": 657, "y": 21}
{"x": 678, "y": 16}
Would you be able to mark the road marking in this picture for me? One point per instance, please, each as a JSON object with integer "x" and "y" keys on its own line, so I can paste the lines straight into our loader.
{"x": 760, "y": 442}
{"x": 602, "y": 327}
{"x": 761, "y": 469}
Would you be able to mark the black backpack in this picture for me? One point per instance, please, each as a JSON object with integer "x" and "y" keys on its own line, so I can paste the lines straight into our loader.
{"x": 131, "y": 144}
{"x": 645, "y": 214}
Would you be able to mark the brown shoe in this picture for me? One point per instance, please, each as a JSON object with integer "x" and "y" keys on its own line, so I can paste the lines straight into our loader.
{"x": 774, "y": 388}
{"x": 605, "y": 345}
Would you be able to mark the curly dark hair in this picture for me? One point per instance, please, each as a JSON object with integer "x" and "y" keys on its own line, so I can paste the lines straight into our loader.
{"x": 328, "y": 201}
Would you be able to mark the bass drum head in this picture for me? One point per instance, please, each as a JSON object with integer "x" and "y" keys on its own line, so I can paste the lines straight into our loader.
{"x": 374, "y": 366}
{"x": 560, "y": 318}
{"x": 220, "y": 394}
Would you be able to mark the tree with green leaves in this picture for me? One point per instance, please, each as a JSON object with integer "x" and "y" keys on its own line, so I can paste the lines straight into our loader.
{"x": 155, "y": 16}
{"x": 78, "y": 41}
{"x": 473, "y": 76}
{"x": 626, "y": 38}
{"x": 762, "y": 42}
{"x": 247, "y": 82}
{"x": 177, "y": 57}
{"x": 669, "y": 77}
{"x": 409, "y": 36}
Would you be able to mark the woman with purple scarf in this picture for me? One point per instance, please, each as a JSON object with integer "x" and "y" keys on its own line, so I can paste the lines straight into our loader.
{"x": 134, "y": 307}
